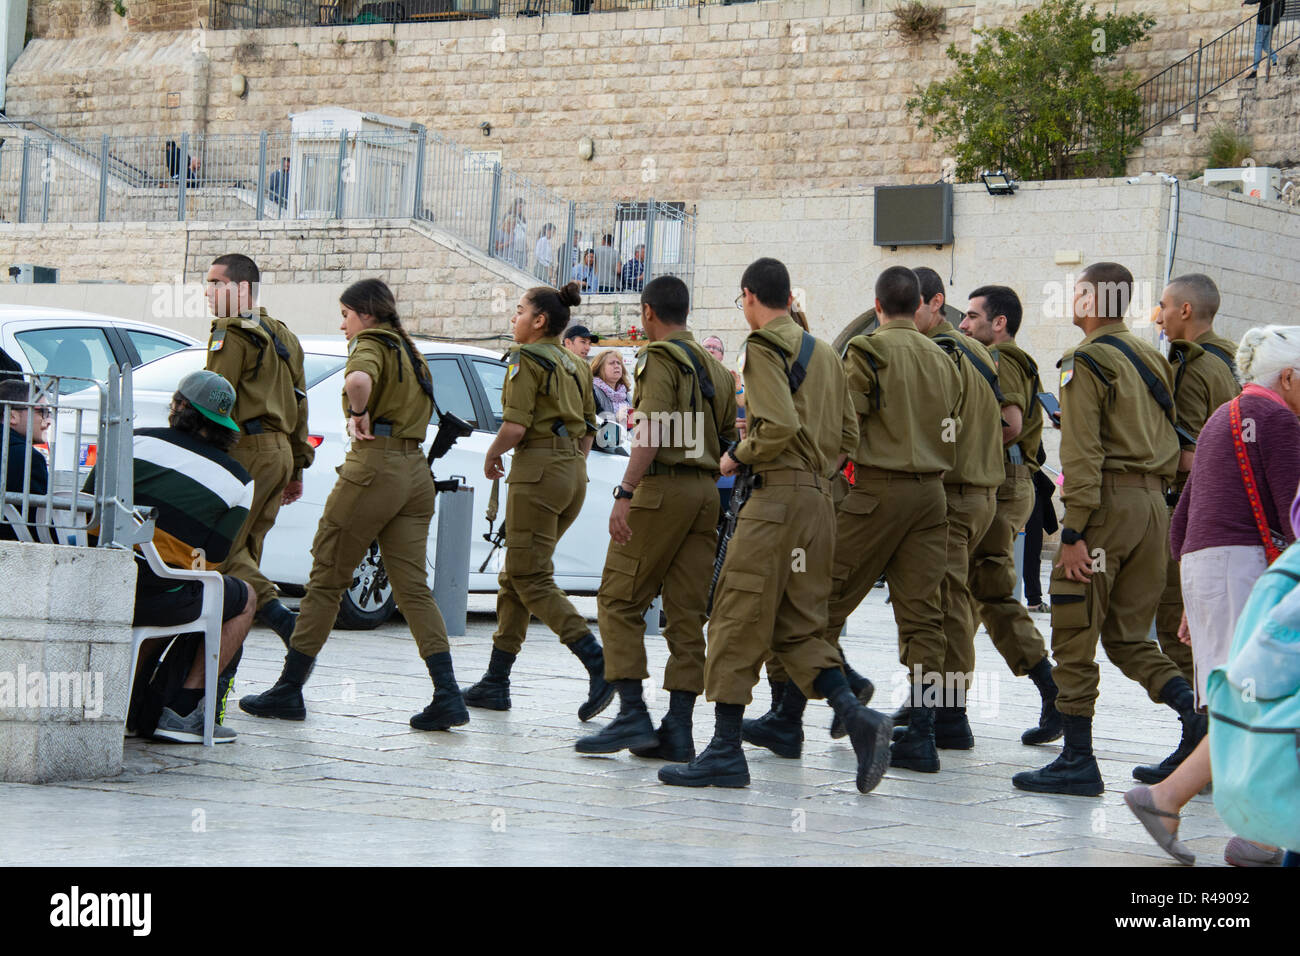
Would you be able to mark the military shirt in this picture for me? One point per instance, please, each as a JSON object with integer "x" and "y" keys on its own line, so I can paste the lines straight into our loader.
{"x": 1111, "y": 425}
{"x": 665, "y": 386}
{"x": 396, "y": 397}
{"x": 545, "y": 384}
{"x": 807, "y": 431}
{"x": 241, "y": 350}
{"x": 1018, "y": 379}
{"x": 979, "y": 436}
{"x": 1202, "y": 380}
{"x": 906, "y": 394}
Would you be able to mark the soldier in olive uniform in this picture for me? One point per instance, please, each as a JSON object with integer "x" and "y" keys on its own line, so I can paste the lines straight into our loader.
{"x": 663, "y": 527}
{"x": 970, "y": 491}
{"x": 1119, "y": 452}
{"x": 993, "y": 319}
{"x": 262, "y": 359}
{"x": 1205, "y": 377}
{"x": 384, "y": 492}
{"x": 905, "y": 393}
{"x": 771, "y": 595}
{"x": 549, "y": 420}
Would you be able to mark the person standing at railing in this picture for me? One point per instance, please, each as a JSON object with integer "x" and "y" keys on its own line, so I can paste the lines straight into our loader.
{"x": 262, "y": 359}
{"x": 633, "y": 274}
{"x": 28, "y": 425}
{"x": 279, "y": 185}
{"x": 1269, "y": 16}
{"x": 607, "y": 265}
{"x": 544, "y": 255}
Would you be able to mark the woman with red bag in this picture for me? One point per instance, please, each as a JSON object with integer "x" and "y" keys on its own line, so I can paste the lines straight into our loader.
{"x": 1232, "y": 521}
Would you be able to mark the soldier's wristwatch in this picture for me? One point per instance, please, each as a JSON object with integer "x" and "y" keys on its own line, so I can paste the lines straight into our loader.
{"x": 621, "y": 492}
{"x": 1070, "y": 536}
{"x": 356, "y": 414}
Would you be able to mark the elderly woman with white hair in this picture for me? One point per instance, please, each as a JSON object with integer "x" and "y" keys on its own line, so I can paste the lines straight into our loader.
{"x": 1233, "y": 517}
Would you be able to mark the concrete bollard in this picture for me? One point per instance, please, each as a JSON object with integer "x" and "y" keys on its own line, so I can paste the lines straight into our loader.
{"x": 451, "y": 556}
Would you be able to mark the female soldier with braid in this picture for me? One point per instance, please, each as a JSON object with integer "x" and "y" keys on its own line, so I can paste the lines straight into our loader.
{"x": 385, "y": 493}
{"x": 549, "y": 420}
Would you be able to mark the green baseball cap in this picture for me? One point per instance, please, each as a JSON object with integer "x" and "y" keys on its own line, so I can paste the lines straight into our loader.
{"x": 211, "y": 395}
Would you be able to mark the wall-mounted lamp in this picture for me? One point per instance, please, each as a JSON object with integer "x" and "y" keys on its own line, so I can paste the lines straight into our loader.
{"x": 486, "y": 127}
{"x": 238, "y": 85}
{"x": 586, "y": 148}
{"x": 999, "y": 184}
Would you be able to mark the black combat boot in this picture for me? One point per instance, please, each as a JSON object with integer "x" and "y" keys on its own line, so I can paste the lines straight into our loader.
{"x": 278, "y": 618}
{"x": 492, "y": 692}
{"x": 781, "y": 732}
{"x": 901, "y": 718}
{"x": 1074, "y": 772}
{"x": 225, "y": 681}
{"x": 952, "y": 729}
{"x": 1049, "y": 718}
{"x": 1177, "y": 693}
{"x": 722, "y": 764}
{"x": 868, "y": 730}
{"x": 676, "y": 743}
{"x": 447, "y": 709}
{"x": 284, "y": 699}
{"x": 862, "y": 689}
{"x": 915, "y": 748}
{"x": 631, "y": 728}
{"x": 599, "y": 691}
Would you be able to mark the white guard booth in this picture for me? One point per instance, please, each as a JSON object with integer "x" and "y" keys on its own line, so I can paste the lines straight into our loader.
{"x": 369, "y": 175}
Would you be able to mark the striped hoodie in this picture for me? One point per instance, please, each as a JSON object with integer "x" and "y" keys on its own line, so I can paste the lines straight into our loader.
{"x": 202, "y": 495}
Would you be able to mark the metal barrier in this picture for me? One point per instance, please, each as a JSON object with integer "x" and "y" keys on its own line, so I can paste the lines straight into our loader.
{"x": 89, "y": 434}
{"x": 269, "y": 14}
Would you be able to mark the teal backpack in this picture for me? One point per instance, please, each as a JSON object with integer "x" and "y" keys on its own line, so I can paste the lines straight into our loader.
{"x": 1254, "y": 705}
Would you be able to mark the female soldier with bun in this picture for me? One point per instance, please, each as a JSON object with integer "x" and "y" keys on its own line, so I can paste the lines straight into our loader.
{"x": 384, "y": 492}
{"x": 549, "y": 420}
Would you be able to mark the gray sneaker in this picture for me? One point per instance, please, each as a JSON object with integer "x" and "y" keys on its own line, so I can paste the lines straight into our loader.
{"x": 189, "y": 729}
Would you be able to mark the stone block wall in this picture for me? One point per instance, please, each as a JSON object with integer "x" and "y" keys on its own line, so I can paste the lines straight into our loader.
{"x": 65, "y": 661}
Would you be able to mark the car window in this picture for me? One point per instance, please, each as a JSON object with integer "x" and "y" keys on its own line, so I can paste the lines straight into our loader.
{"x": 493, "y": 376}
{"x": 450, "y": 390}
{"x": 163, "y": 374}
{"x": 317, "y": 368}
{"x": 82, "y": 353}
{"x": 152, "y": 346}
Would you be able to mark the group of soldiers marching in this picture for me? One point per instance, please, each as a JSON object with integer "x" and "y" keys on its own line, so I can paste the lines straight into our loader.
{"x": 943, "y": 429}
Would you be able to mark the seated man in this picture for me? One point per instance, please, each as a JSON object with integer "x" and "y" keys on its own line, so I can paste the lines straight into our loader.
{"x": 28, "y": 425}
{"x": 202, "y": 497}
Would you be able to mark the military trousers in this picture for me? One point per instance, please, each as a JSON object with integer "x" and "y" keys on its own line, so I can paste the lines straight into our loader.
{"x": 674, "y": 520}
{"x": 1128, "y": 537}
{"x": 892, "y": 523}
{"x": 970, "y": 511}
{"x": 1169, "y": 615}
{"x": 993, "y": 578}
{"x": 268, "y": 458}
{"x": 546, "y": 488}
{"x": 771, "y": 595}
{"x": 384, "y": 493}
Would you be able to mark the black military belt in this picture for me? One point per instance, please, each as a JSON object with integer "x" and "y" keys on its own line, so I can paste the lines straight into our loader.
{"x": 253, "y": 426}
{"x": 383, "y": 430}
{"x": 659, "y": 468}
{"x": 870, "y": 471}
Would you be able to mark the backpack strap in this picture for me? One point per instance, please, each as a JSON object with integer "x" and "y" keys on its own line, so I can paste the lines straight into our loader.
{"x": 953, "y": 346}
{"x": 1271, "y": 550}
{"x": 797, "y": 371}
{"x": 1227, "y": 359}
{"x": 703, "y": 382}
{"x": 1153, "y": 384}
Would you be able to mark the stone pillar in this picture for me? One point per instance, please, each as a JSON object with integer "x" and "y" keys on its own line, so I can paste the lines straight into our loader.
{"x": 65, "y": 659}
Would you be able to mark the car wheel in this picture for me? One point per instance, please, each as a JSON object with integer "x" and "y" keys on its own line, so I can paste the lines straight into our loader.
{"x": 368, "y": 602}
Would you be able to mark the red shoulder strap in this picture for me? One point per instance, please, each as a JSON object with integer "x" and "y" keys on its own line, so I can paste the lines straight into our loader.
{"x": 1271, "y": 550}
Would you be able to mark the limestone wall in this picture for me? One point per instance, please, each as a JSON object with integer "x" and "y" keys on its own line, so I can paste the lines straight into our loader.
{"x": 686, "y": 104}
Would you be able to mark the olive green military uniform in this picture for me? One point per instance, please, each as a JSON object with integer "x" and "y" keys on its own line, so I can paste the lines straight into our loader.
{"x": 1204, "y": 378}
{"x": 1118, "y": 453}
{"x": 384, "y": 493}
{"x": 771, "y": 595}
{"x": 673, "y": 517}
{"x": 905, "y": 393}
{"x": 993, "y": 569}
{"x": 271, "y": 409}
{"x": 548, "y": 392}
{"x": 970, "y": 490}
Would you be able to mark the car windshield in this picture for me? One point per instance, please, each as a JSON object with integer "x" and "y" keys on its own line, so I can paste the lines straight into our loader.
{"x": 161, "y": 375}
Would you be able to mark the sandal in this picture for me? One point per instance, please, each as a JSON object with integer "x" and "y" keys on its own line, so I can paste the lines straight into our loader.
{"x": 1144, "y": 808}
{"x": 1241, "y": 852}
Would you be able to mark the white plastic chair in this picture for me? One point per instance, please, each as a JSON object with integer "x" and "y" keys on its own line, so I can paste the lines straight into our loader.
{"x": 208, "y": 621}
{"x": 14, "y": 519}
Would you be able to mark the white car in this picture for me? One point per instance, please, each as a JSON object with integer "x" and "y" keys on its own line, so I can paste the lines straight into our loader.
{"x": 467, "y": 383}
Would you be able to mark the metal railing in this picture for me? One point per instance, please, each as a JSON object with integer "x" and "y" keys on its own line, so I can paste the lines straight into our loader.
{"x": 1183, "y": 85}
{"x": 268, "y": 14}
{"x": 381, "y": 173}
{"x": 88, "y": 441}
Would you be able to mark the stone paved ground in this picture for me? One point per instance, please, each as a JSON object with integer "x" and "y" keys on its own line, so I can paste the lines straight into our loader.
{"x": 354, "y": 785}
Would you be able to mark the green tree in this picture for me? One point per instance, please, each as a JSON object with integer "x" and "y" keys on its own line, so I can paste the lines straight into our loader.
{"x": 1033, "y": 99}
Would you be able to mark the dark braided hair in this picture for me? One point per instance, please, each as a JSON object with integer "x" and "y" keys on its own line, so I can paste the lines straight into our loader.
{"x": 373, "y": 297}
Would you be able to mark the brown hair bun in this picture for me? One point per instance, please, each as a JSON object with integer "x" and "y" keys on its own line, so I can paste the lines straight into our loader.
{"x": 571, "y": 295}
